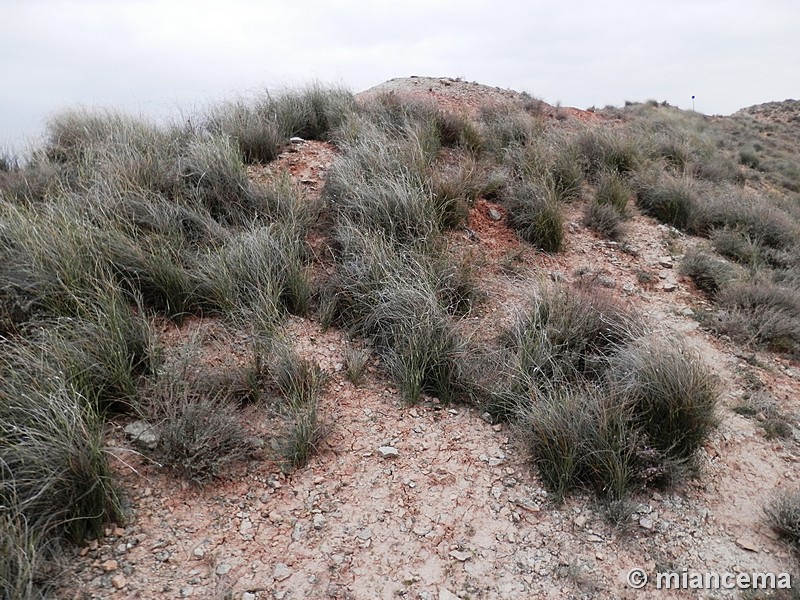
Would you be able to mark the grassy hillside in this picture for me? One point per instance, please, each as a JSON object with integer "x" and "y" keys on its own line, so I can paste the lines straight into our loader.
{"x": 116, "y": 226}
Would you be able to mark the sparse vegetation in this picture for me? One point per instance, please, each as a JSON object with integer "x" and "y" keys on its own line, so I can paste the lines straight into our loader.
{"x": 299, "y": 382}
{"x": 534, "y": 211}
{"x": 601, "y": 404}
{"x": 669, "y": 199}
{"x": 356, "y": 363}
{"x": 783, "y": 513}
{"x": 708, "y": 273}
{"x": 604, "y": 219}
{"x": 119, "y": 235}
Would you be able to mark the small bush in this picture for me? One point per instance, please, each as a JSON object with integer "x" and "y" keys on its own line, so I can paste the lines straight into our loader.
{"x": 53, "y": 463}
{"x": 196, "y": 416}
{"x": 708, "y": 273}
{"x": 200, "y": 436}
{"x": 604, "y": 219}
{"x": 673, "y": 395}
{"x": 668, "y": 199}
{"x": 607, "y": 150}
{"x": 762, "y": 312}
{"x": 535, "y": 213}
{"x": 783, "y": 513}
{"x": 300, "y": 382}
{"x": 356, "y": 363}
{"x": 569, "y": 336}
{"x": 613, "y": 190}
{"x": 738, "y": 246}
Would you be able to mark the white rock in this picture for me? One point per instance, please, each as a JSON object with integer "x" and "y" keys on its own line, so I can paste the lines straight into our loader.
{"x": 388, "y": 452}
{"x": 143, "y": 433}
{"x": 460, "y": 556}
{"x": 281, "y": 572}
{"x": 296, "y": 140}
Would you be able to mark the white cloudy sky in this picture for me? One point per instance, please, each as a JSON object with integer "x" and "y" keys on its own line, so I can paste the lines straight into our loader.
{"x": 159, "y": 56}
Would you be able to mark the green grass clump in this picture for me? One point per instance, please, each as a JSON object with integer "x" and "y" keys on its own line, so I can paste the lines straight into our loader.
{"x": 552, "y": 158}
{"x": 783, "y": 513}
{"x": 54, "y": 464}
{"x": 587, "y": 438}
{"x": 213, "y": 177}
{"x": 259, "y": 273}
{"x": 603, "y": 150}
{"x": 253, "y": 128}
{"x": 614, "y": 190}
{"x": 535, "y": 213}
{"x": 262, "y": 127}
{"x": 356, "y": 361}
{"x": 738, "y": 246}
{"x": 672, "y": 393}
{"x": 604, "y": 219}
{"x": 505, "y": 128}
{"x": 300, "y": 382}
{"x": 23, "y": 559}
{"x": 424, "y": 353}
{"x": 402, "y": 301}
{"x": 601, "y": 404}
{"x": 671, "y": 200}
{"x": 751, "y": 214}
{"x": 709, "y": 274}
{"x": 570, "y": 336}
{"x": 761, "y": 312}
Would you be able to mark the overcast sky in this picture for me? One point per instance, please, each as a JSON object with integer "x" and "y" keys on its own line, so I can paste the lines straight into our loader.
{"x": 163, "y": 56}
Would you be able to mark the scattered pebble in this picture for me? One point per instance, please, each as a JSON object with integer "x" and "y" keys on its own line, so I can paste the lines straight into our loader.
{"x": 281, "y": 572}
{"x": 388, "y": 452}
{"x": 110, "y": 565}
{"x": 460, "y": 556}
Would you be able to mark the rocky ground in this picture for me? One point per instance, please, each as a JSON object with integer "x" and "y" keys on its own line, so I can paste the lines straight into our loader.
{"x": 434, "y": 502}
